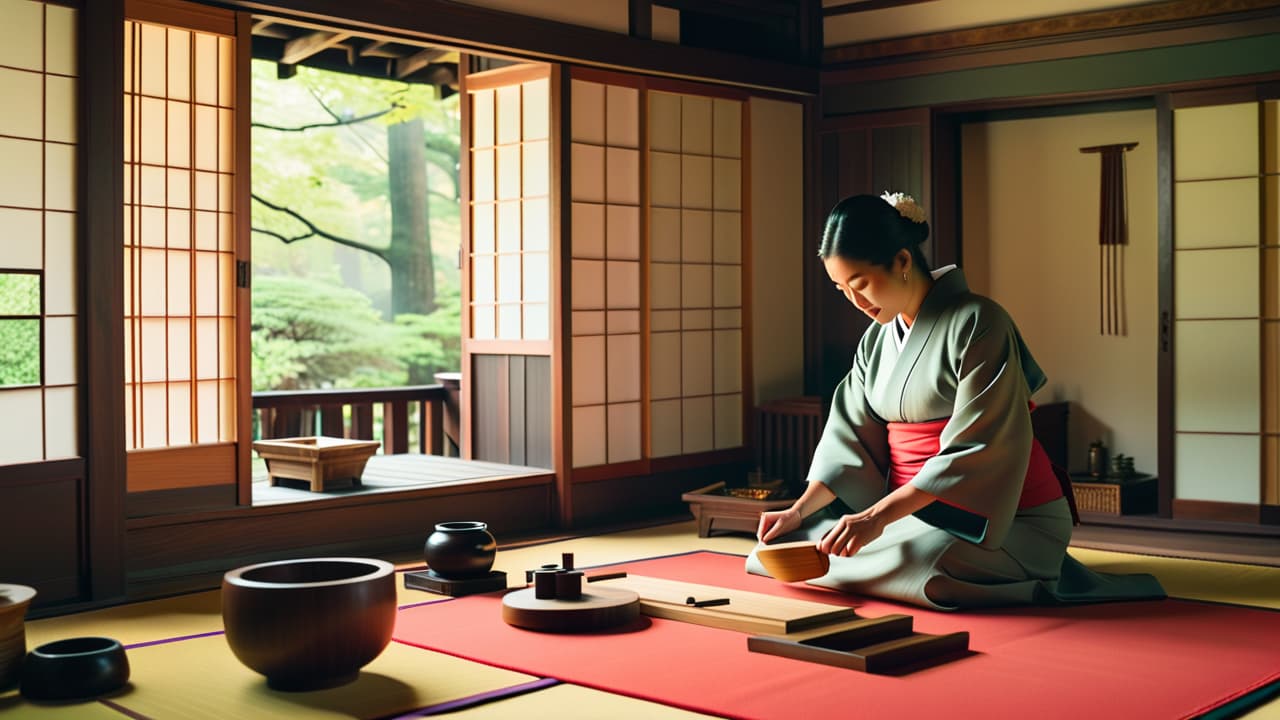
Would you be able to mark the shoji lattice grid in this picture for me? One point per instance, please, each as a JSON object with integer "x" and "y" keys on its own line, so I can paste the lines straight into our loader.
{"x": 695, "y": 273}
{"x": 510, "y": 206}
{"x": 606, "y": 298}
{"x": 38, "y": 69}
{"x": 1217, "y": 301}
{"x": 180, "y": 325}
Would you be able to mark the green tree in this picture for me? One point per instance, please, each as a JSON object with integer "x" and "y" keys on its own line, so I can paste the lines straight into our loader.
{"x": 372, "y": 166}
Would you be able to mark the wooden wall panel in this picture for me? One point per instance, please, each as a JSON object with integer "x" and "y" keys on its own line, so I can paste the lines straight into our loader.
{"x": 511, "y": 409}
{"x": 41, "y": 529}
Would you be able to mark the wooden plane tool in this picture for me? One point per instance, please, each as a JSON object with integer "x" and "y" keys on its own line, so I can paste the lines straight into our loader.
{"x": 745, "y": 611}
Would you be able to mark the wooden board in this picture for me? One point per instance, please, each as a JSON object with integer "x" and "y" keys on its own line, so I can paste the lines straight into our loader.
{"x": 746, "y": 612}
{"x": 872, "y": 645}
{"x": 597, "y": 609}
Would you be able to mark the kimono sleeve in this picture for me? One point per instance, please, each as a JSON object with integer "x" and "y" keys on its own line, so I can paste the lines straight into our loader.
{"x": 853, "y": 452}
{"x": 985, "y": 446}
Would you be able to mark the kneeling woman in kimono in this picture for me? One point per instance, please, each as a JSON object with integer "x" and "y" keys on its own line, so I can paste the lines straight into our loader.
{"x": 946, "y": 500}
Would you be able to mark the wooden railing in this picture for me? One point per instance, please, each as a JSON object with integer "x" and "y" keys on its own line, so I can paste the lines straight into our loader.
{"x": 350, "y": 414}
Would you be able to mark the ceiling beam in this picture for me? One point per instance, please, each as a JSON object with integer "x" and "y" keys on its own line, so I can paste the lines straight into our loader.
{"x": 299, "y": 49}
{"x": 412, "y": 64}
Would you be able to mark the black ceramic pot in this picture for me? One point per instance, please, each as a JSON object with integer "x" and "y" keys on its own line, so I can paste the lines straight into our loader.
{"x": 460, "y": 550}
{"x": 75, "y": 668}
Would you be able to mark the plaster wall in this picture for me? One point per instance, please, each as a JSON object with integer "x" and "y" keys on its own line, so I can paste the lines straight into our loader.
{"x": 1030, "y": 241}
{"x": 777, "y": 237}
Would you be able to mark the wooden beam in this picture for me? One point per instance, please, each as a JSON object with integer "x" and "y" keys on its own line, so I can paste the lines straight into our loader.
{"x": 867, "y": 6}
{"x": 299, "y": 49}
{"x": 378, "y": 48}
{"x": 412, "y": 64}
{"x": 1171, "y": 11}
{"x": 479, "y": 29}
{"x": 640, "y": 18}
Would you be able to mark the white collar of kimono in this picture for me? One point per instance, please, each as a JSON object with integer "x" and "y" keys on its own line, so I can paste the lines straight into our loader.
{"x": 900, "y": 329}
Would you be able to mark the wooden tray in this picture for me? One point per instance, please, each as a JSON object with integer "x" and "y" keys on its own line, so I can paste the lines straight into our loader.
{"x": 714, "y": 511}
{"x": 320, "y": 461}
{"x": 746, "y": 612}
{"x": 871, "y": 645}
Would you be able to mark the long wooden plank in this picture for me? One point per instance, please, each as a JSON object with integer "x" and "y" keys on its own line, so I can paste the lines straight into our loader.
{"x": 746, "y": 611}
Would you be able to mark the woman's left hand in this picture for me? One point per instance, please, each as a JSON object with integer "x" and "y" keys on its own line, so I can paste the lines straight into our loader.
{"x": 851, "y": 533}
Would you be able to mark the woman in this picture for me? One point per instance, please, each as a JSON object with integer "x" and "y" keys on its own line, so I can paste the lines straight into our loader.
{"x": 929, "y": 440}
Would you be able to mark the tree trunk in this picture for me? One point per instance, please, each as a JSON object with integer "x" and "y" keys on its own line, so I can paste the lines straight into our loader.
{"x": 412, "y": 273}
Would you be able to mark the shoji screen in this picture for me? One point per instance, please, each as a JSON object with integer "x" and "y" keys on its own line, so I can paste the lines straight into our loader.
{"x": 511, "y": 227}
{"x": 605, "y": 293}
{"x": 695, "y": 273}
{"x": 1217, "y": 300}
{"x": 39, "y": 327}
{"x": 181, "y": 301}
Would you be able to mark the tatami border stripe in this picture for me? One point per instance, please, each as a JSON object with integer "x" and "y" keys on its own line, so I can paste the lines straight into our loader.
{"x": 173, "y": 639}
{"x": 480, "y": 698}
{"x": 124, "y": 710}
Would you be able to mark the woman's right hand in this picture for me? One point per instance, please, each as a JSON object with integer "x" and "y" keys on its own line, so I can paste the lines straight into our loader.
{"x": 778, "y": 523}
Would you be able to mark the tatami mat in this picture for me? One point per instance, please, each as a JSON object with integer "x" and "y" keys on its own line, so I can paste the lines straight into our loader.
{"x": 200, "y": 678}
{"x": 574, "y": 702}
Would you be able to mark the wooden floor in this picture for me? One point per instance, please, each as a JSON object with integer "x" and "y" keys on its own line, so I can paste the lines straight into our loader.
{"x": 389, "y": 473}
{"x": 1219, "y": 546}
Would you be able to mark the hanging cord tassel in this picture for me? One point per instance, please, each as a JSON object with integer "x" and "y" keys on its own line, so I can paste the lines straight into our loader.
{"x": 1113, "y": 235}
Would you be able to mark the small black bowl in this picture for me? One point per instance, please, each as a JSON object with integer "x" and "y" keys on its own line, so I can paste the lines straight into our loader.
{"x": 75, "y": 668}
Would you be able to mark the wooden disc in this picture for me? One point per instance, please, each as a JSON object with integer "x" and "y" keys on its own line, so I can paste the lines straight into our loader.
{"x": 597, "y": 609}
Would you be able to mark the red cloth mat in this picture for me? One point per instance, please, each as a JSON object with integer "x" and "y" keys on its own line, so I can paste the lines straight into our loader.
{"x": 1159, "y": 659}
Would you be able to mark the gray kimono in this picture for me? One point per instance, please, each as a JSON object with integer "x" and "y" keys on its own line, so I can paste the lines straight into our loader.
{"x": 963, "y": 360}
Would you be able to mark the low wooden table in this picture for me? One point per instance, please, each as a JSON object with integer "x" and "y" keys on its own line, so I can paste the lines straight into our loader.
{"x": 715, "y": 511}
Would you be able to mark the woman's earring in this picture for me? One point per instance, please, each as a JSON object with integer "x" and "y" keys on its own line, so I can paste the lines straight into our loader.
{"x": 904, "y": 276}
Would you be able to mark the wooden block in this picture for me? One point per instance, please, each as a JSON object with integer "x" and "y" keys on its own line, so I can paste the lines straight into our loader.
{"x": 746, "y": 612}
{"x": 431, "y": 582}
{"x": 872, "y": 645}
{"x": 595, "y": 609}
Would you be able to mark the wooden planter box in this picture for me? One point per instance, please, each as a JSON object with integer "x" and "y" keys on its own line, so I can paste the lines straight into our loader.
{"x": 320, "y": 461}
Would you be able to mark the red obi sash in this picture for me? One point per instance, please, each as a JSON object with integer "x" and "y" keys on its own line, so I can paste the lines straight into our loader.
{"x": 911, "y": 444}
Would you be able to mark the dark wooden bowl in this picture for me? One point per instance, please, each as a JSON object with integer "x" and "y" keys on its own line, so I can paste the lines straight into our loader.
{"x": 75, "y": 668}
{"x": 311, "y": 623}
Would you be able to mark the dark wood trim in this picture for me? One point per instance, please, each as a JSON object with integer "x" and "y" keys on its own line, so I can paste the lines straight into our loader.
{"x": 243, "y": 79}
{"x": 1153, "y": 14}
{"x": 1214, "y": 96}
{"x": 187, "y": 15}
{"x": 813, "y": 224}
{"x": 888, "y": 118}
{"x": 596, "y": 473}
{"x": 866, "y": 6}
{"x": 1166, "y": 467}
{"x": 640, "y": 18}
{"x": 478, "y": 29}
{"x": 181, "y": 500}
{"x": 1227, "y": 542}
{"x": 297, "y": 399}
{"x": 465, "y": 210}
{"x": 99, "y": 226}
{"x": 1182, "y": 525}
{"x": 947, "y": 190}
{"x": 656, "y": 494}
{"x": 561, "y": 281}
{"x": 1042, "y": 50}
{"x": 1270, "y": 514}
{"x": 746, "y": 271}
{"x": 1216, "y": 511}
{"x": 697, "y": 460}
{"x": 42, "y": 472}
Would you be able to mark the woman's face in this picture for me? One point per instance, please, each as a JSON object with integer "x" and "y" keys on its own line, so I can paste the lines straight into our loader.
{"x": 879, "y": 293}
